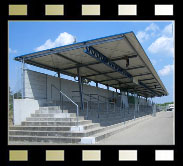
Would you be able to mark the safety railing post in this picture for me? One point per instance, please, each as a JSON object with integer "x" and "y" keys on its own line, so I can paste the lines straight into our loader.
{"x": 62, "y": 104}
{"x": 90, "y": 101}
{"x": 135, "y": 106}
{"x": 124, "y": 114}
{"x": 87, "y": 110}
{"x": 107, "y": 107}
{"x": 77, "y": 113}
{"x": 98, "y": 106}
{"x": 114, "y": 107}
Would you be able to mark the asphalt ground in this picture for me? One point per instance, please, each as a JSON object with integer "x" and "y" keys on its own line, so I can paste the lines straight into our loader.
{"x": 158, "y": 130}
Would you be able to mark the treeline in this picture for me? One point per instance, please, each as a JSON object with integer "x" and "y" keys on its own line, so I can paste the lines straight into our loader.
{"x": 16, "y": 95}
{"x": 165, "y": 104}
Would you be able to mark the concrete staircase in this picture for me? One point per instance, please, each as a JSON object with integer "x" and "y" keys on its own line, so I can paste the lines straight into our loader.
{"x": 52, "y": 125}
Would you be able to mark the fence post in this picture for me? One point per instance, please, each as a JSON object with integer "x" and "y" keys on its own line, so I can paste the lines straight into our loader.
{"x": 87, "y": 110}
{"x": 135, "y": 106}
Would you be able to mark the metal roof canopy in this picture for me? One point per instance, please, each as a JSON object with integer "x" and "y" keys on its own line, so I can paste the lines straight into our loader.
{"x": 117, "y": 61}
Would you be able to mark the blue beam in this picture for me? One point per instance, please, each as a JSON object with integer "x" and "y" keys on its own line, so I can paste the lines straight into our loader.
{"x": 103, "y": 59}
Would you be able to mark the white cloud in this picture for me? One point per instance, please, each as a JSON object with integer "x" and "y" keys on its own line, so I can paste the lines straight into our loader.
{"x": 163, "y": 44}
{"x": 168, "y": 69}
{"x": 152, "y": 27}
{"x": 63, "y": 39}
{"x": 168, "y": 30}
{"x": 142, "y": 36}
{"x": 149, "y": 31}
{"x": 11, "y": 51}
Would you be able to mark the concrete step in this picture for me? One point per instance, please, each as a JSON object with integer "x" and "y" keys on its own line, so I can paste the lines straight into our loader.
{"x": 86, "y": 133}
{"x": 57, "y": 115}
{"x": 55, "y": 119}
{"x": 45, "y": 139}
{"x": 53, "y": 123}
{"x": 50, "y": 108}
{"x": 98, "y": 133}
{"x": 53, "y": 128}
{"x": 50, "y": 111}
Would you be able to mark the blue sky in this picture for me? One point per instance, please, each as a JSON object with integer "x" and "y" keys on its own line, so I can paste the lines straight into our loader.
{"x": 156, "y": 38}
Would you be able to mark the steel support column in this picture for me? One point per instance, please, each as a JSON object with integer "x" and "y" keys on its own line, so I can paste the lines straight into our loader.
{"x": 136, "y": 105}
{"x": 23, "y": 81}
{"x": 107, "y": 99}
{"x": 128, "y": 103}
{"x": 97, "y": 100}
{"x": 122, "y": 105}
{"x": 124, "y": 109}
{"x": 61, "y": 96}
{"x": 80, "y": 88}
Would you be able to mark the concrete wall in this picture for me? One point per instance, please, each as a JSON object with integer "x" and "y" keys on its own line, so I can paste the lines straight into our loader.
{"x": 34, "y": 84}
{"x": 24, "y": 108}
{"x": 38, "y": 86}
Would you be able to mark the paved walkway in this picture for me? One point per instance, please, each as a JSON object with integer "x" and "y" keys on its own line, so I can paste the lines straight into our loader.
{"x": 157, "y": 130}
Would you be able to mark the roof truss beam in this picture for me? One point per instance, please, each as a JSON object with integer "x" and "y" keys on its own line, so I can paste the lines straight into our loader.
{"x": 105, "y": 60}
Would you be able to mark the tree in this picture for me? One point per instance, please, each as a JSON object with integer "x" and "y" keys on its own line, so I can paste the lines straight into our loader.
{"x": 10, "y": 96}
{"x": 17, "y": 95}
{"x": 86, "y": 81}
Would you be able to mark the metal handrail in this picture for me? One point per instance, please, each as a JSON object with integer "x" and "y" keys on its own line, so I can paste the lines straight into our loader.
{"x": 91, "y": 96}
{"x": 77, "y": 112}
{"x": 86, "y": 94}
{"x": 86, "y": 100}
{"x": 79, "y": 96}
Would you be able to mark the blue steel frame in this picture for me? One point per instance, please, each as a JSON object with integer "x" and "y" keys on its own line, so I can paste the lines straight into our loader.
{"x": 105, "y": 60}
{"x": 86, "y": 44}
